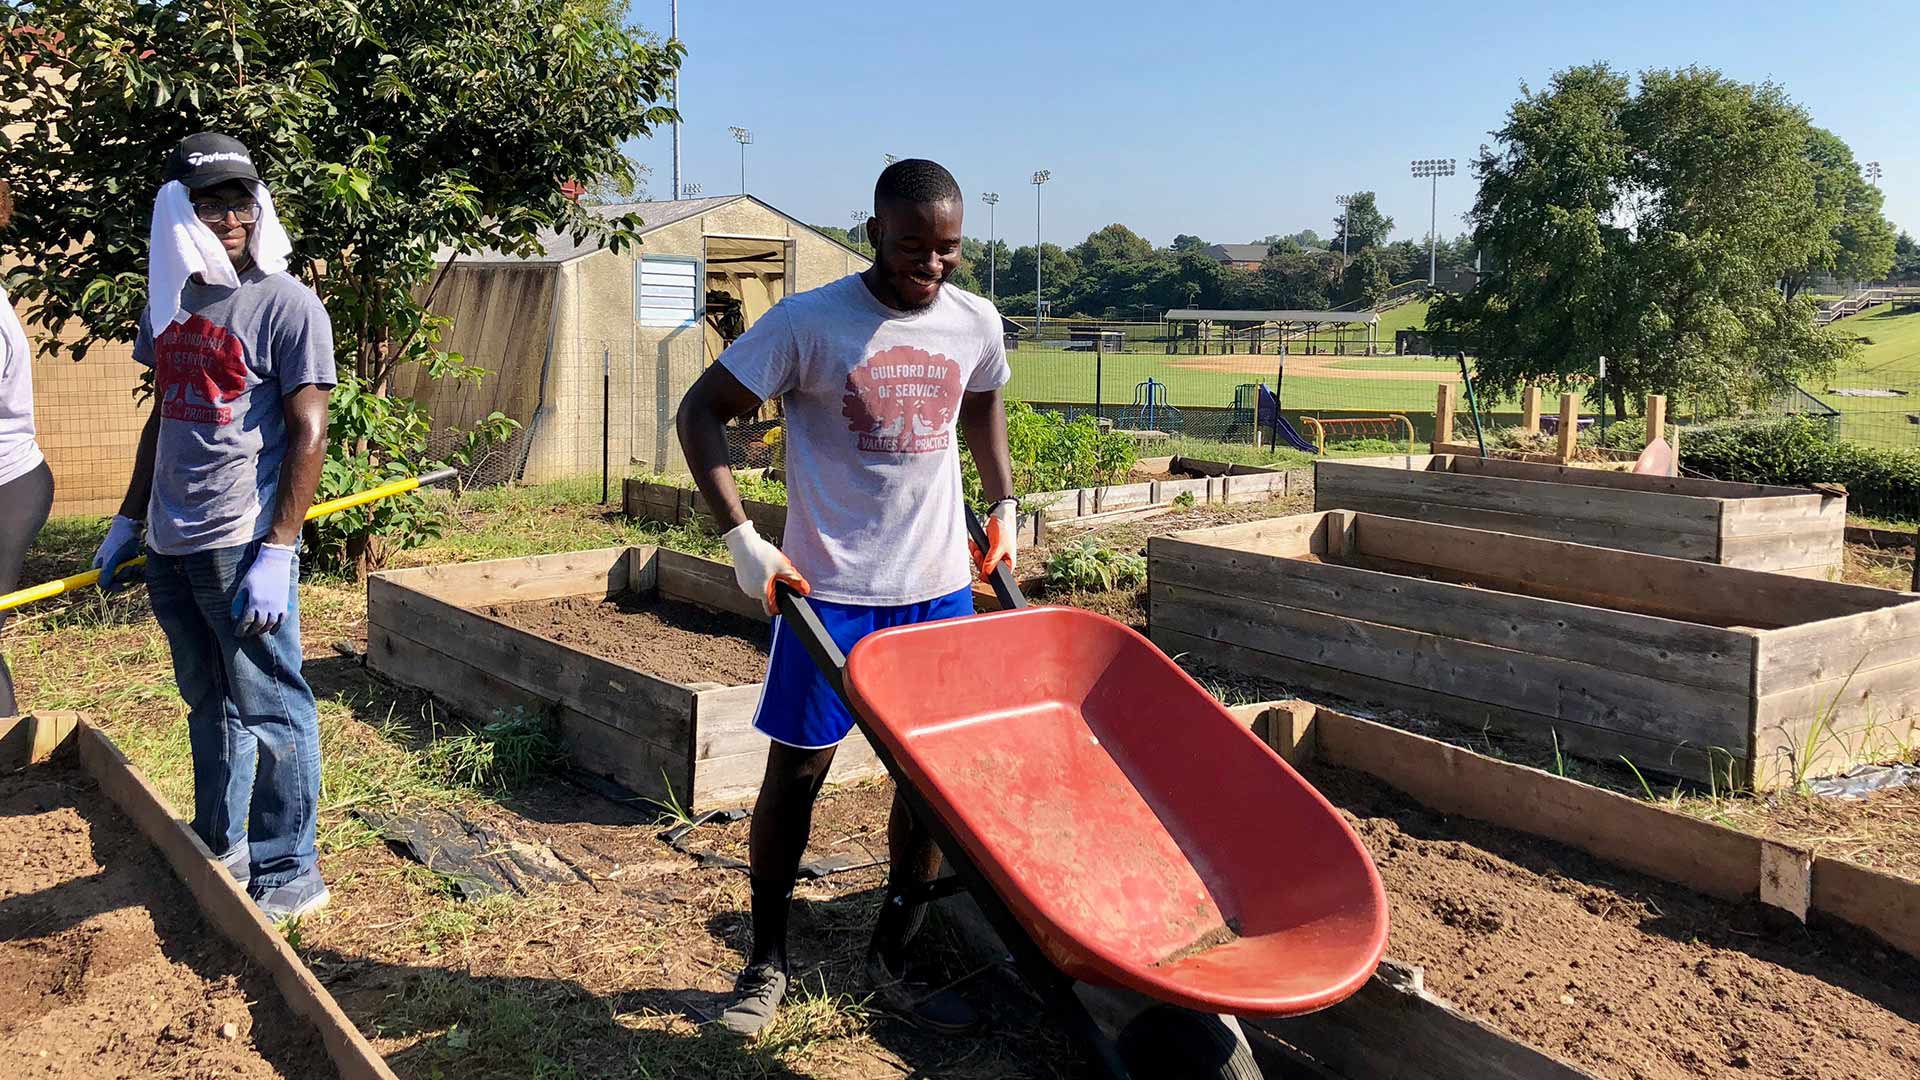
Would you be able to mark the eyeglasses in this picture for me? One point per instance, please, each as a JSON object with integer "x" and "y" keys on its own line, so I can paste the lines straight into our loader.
{"x": 214, "y": 213}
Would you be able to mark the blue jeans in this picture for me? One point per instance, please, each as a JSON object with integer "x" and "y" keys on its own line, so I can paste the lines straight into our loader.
{"x": 251, "y": 719}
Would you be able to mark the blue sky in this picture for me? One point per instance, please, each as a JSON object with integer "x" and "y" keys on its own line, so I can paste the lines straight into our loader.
{"x": 1226, "y": 120}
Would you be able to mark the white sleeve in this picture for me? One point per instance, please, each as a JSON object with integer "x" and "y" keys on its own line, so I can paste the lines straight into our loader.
{"x": 992, "y": 372}
{"x": 766, "y": 359}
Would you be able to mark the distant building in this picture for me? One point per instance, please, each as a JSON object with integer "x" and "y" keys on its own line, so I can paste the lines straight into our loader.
{"x": 1238, "y": 256}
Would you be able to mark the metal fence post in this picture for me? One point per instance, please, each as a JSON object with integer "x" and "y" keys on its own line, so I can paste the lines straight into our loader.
{"x": 1099, "y": 362}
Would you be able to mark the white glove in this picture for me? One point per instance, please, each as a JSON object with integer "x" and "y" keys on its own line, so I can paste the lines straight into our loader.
{"x": 757, "y": 565}
{"x": 1003, "y": 539}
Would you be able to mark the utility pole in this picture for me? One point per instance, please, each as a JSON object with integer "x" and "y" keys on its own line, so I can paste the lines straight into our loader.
{"x": 992, "y": 199}
{"x": 673, "y": 33}
{"x": 1346, "y": 217}
{"x": 1039, "y": 178}
{"x": 1432, "y": 169}
{"x": 745, "y": 139}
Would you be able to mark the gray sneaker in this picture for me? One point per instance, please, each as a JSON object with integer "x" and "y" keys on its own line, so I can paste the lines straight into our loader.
{"x": 238, "y": 863}
{"x": 758, "y": 993}
{"x": 303, "y": 895}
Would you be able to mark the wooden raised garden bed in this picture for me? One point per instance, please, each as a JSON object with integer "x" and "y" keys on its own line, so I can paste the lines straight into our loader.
{"x": 107, "y": 963}
{"x": 692, "y": 742}
{"x": 647, "y": 500}
{"x": 1786, "y": 530}
{"x": 1685, "y": 668}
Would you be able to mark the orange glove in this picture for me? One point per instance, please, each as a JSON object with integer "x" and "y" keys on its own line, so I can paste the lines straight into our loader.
{"x": 1003, "y": 539}
{"x": 758, "y": 566}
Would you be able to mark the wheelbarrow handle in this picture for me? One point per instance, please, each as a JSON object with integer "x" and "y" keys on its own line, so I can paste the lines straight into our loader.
{"x": 813, "y": 635}
{"x": 1004, "y": 585}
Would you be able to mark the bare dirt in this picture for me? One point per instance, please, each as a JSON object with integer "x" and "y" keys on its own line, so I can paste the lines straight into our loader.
{"x": 106, "y": 967}
{"x": 683, "y": 643}
{"x": 1625, "y": 976}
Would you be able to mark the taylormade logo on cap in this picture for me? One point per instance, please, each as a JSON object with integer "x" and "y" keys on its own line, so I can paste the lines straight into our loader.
{"x": 198, "y": 159}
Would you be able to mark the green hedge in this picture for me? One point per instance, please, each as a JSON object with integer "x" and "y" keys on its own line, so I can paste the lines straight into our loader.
{"x": 1797, "y": 450}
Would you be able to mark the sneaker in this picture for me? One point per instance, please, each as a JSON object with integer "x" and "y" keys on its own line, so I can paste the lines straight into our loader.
{"x": 758, "y": 993}
{"x": 303, "y": 895}
{"x": 238, "y": 863}
{"x": 917, "y": 1001}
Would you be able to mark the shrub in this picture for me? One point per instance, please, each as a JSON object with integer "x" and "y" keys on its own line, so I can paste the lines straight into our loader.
{"x": 1050, "y": 453}
{"x": 1797, "y": 450}
{"x": 1085, "y": 566}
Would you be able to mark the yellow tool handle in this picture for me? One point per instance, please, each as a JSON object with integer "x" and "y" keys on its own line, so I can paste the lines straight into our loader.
{"x": 50, "y": 589}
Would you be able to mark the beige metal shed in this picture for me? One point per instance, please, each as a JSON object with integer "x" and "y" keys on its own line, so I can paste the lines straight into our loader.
{"x": 560, "y": 329}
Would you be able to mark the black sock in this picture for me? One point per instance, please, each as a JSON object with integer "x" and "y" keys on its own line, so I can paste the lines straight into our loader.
{"x": 900, "y": 921}
{"x": 770, "y": 907}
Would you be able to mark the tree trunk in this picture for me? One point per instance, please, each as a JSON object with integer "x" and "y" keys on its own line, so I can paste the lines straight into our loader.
{"x": 1619, "y": 395}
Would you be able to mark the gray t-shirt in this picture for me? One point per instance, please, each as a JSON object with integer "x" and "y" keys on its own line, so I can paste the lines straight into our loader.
{"x": 871, "y": 396}
{"x": 219, "y": 378}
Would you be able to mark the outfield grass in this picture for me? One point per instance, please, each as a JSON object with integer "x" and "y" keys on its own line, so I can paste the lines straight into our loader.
{"x": 1889, "y": 359}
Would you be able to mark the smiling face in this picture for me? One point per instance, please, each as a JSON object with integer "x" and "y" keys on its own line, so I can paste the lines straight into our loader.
{"x": 916, "y": 245}
{"x": 231, "y": 211}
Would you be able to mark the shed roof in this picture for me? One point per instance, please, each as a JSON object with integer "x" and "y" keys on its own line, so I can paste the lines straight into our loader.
{"x": 1249, "y": 316}
{"x": 1238, "y": 252}
{"x": 560, "y": 247}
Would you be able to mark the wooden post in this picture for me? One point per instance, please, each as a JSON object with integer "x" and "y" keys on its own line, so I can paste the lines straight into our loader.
{"x": 1656, "y": 417}
{"x": 1443, "y": 417}
{"x": 1569, "y": 426}
{"x": 1530, "y": 411}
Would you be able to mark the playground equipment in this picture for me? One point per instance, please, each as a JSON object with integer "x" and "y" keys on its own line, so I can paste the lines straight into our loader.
{"x": 1090, "y": 794}
{"x": 1362, "y": 427}
{"x": 1150, "y": 411}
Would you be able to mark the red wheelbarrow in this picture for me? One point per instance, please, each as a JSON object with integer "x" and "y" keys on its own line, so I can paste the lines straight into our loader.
{"x": 1116, "y": 825}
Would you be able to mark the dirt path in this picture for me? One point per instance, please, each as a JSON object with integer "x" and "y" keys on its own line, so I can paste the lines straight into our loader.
{"x": 680, "y": 642}
{"x": 106, "y": 968}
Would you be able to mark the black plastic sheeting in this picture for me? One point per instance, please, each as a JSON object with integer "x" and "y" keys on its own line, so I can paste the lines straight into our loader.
{"x": 477, "y": 861}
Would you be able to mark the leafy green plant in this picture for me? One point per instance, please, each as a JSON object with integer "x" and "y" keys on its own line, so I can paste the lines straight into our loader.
{"x": 1051, "y": 453}
{"x": 1086, "y": 566}
{"x": 504, "y": 752}
{"x": 1184, "y": 500}
{"x": 1798, "y": 450}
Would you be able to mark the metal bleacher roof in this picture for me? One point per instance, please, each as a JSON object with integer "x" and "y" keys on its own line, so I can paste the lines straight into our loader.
{"x": 1250, "y": 316}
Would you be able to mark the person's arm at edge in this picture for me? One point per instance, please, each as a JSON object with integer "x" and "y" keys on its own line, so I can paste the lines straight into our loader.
{"x": 305, "y": 410}
{"x": 715, "y": 399}
{"x": 983, "y": 422}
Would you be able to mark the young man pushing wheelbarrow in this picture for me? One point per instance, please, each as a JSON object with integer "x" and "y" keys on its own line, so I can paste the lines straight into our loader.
{"x": 874, "y": 372}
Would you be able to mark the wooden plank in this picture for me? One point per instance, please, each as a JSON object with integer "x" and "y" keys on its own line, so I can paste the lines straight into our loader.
{"x": 625, "y": 697}
{"x": 1443, "y": 407}
{"x": 1656, "y": 417}
{"x": 1626, "y": 481}
{"x": 1393, "y": 1029}
{"x": 1783, "y": 551}
{"x": 1706, "y": 656}
{"x": 31, "y": 739}
{"x": 1647, "y": 541}
{"x": 1530, "y": 410}
{"x": 1055, "y": 504}
{"x": 1295, "y": 534}
{"x": 1885, "y": 905}
{"x": 1569, "y": 425}
{"x": 1802, "y": 513}
{"x": 643, "y": 570}
{"x": 1256, "y": 487}
{"x": 1600, "y": 744}
{"x": 600, "y": 571}
{"x": 1675, "y": 588}
{"x": 1580, "y": 503}
{"x": 1173, "y": 489}
{"x": 1825, "y": 727}
{"x": 1830, "y": 649}
{"x": 704, "y": 582}
{"x": 1121, "y": 496}
{"x": 1550, "y": 687}
{"x": 1628, "y": 832}
{"x": 227, "y": 909}
{"x": 734, "y": 779}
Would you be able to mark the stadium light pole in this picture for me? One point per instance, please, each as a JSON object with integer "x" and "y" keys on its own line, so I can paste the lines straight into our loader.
{"x": 859, "y": 219}
{"x": 745, "y": 139}
{"x": 1345, "y": 216}
{"x": 992, "y": 199}
{"x": 673, "y": 33}
{"x": 1039, "y": 178}
{"x": 1432, "y": 169}
{"x": 691, "y": 191}
{"x": 1872, "y": 169}
{"x": 890, "y": 158}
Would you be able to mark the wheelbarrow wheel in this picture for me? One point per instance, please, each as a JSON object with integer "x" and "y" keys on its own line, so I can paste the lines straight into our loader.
{"x": 1169, "y": 1042}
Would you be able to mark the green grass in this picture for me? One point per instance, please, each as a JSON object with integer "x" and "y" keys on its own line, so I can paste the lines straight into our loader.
{"x": 1889, "y": 359}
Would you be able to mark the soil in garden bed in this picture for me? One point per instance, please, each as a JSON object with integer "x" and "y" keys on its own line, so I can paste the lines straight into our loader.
{"x": 107, "y": 968}
{"x": 1625, "y": 976}
{"x": 680, "y": 642}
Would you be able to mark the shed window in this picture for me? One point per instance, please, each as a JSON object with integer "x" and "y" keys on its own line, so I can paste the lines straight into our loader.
{"x": 668, "y": 292}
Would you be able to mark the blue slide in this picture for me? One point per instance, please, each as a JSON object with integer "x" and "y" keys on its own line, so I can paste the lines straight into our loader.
{"x": 1270, "y": 418}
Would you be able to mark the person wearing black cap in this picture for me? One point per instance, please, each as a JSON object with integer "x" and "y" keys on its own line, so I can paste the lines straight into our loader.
{"x": 242, "y": 356}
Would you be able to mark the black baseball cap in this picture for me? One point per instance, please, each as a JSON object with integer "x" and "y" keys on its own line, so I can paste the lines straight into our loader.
{"x": 209, "y": 158}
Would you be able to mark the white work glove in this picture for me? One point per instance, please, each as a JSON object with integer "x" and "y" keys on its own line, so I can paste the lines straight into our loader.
{"x": 1003, "y": 538}
{"x": 757, "y": 565}
{"x": 122, "y": 543}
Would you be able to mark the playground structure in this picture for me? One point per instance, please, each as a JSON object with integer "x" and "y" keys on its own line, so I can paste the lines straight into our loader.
{"x": 1150, "y": 410}
{"x": 1362, "y": 427}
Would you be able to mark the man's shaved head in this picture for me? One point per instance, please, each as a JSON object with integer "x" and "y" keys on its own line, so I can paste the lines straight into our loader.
{"x": 914, "y": 181}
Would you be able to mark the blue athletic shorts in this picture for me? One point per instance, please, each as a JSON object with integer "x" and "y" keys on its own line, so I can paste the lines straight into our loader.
{"x": 798, "y": 706}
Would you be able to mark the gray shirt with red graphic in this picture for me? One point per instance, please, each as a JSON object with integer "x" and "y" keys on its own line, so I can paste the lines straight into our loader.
{"x": 219, "y": 377}
{"x": 871, "y": 396}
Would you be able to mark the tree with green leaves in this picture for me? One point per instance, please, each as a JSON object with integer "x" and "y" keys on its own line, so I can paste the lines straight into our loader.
{"x": 1860, "y": 240}
{"x": 1360, "y": 225}
{"x": 389, "y": 134}
{"x": 1365, "y": 279}
{"x": 1114, "y": 244}
{"x": 1186, "y": 242}
{"x": 1652, "y": 226}
{"x": 1059, "y": 272}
